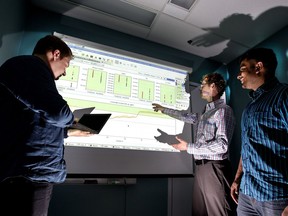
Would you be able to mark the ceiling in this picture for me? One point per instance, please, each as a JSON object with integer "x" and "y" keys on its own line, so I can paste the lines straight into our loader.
{"x": 217, "y": 29}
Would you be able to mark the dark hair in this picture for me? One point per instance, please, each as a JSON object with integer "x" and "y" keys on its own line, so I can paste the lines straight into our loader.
{"x": 52, "y": 43}
{"x": 217, "y": 79}
{"x": 264, "y": 55}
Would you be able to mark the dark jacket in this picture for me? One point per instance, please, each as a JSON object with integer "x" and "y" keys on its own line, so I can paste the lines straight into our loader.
{"x": 33, "y": 121}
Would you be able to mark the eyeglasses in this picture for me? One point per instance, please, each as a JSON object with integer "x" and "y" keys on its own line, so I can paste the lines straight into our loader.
{"x": 203, "y": 84}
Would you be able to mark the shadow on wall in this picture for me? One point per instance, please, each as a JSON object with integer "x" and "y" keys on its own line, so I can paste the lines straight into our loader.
{"x": 235, "y": 28}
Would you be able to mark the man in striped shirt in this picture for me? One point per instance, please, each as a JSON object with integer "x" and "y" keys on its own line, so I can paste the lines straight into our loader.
{"x": 261, "y": 182}
{"x": 214, "y": 133}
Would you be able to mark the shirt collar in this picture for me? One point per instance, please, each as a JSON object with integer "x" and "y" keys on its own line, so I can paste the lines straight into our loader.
{"x": 214, "y": 104}
{"x": 263, "y": 88}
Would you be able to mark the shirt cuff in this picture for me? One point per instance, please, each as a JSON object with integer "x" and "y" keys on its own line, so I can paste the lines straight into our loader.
{"x": 190, "y": 148}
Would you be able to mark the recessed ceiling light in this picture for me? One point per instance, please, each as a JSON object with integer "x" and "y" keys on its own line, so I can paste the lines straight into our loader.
{"x": 183, "y": 3}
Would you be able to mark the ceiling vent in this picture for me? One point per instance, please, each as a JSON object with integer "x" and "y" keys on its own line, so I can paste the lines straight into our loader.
{"x": 186, "y": 4}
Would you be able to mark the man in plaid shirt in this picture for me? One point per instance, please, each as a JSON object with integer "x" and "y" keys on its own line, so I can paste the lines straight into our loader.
{"x": 215, "y": 128}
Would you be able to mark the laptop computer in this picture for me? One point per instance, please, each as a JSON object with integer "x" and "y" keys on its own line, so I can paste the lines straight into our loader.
{"x": 92, "y": 122}
{"x": 78, "y": 113}
{"x": 89, "y": 122}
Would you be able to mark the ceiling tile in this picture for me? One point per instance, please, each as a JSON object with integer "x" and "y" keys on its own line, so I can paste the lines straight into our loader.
{"x": 175, "y": 11}
{"x": 118, "y": 9}
{"x": 108, "y": 21}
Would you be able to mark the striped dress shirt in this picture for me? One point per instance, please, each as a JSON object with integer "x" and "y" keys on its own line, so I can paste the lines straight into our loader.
{"x": 265, "y": 143}
{"x": 214, "y": 130}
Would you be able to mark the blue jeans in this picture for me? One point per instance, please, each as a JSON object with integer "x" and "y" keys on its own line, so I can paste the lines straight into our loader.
{"x": 248, "y": 206}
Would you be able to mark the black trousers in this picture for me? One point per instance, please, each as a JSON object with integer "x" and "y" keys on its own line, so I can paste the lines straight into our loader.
{"x": 21, "y": 197}
{"x": 211, "y": 189}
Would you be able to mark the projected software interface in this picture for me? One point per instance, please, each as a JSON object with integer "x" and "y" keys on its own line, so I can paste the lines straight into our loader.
{"x": 126, "y": 87}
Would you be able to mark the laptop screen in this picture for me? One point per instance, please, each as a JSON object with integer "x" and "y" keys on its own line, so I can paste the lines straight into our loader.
{"x": 93, "y": 122}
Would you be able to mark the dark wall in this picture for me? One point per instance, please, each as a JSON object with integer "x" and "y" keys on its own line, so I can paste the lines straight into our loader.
{"x": 12, "y": 21}
{"x": 147, "y": 197}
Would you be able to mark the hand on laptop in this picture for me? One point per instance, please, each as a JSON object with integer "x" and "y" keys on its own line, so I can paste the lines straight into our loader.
{"x": 79, "y": 133}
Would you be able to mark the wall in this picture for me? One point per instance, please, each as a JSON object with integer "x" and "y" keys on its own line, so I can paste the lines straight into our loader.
{"x": 12, "y": 20}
